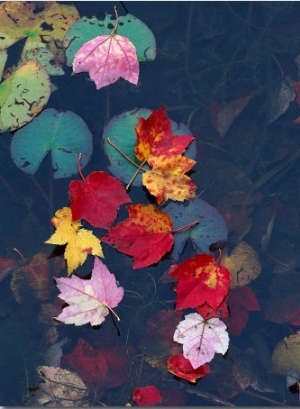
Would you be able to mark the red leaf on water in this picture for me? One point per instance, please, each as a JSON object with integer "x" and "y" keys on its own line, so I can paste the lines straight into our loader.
{"x": 147, "y": 396}
{"x": 201, "y": 280}
{"x": 97, "y": 199}
{"x": 145, "y": 235}
{"x": 179, "y": 366}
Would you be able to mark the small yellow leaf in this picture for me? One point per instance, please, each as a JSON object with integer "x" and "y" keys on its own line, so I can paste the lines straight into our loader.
{"x": 80, "y": 242}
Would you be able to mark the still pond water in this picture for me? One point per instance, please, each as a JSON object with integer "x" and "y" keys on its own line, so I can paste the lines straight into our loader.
{"x": 230, "y": 72}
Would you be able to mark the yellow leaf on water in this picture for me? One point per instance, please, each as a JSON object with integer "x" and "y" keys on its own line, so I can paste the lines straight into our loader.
{"x": 80, "y": 242}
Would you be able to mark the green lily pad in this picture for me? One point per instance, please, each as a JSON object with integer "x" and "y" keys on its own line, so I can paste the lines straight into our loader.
{"x": 120, "y": 130}
{"x": 46, "y": 58}
{"x": 23, "y": 95}
{"x": 85, "y": 29}
{"x": 64, "y": 134}
{"x": 40, "y": 22}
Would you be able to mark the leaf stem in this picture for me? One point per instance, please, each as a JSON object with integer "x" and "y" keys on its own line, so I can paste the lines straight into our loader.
{"x": 79, "y": 166}
{"x": 117, "y": 22}
{"x": 112, "y": 311}
{"x": 187, "y": 226}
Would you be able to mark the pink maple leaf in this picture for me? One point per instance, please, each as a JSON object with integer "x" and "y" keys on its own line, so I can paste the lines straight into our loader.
{"x": 89, "y": 300}
{"x": 107, "y": 58}
{"x": 201, "y": 338}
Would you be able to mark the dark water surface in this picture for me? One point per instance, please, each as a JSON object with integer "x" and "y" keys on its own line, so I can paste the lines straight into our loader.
{"x": 238, "y": 55}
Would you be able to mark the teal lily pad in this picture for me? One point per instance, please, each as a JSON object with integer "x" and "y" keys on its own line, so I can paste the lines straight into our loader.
{"x": 64, "y": 134}
{"x": 85, "y": 29}
{"x": 211, "y": 227}
{"x": 120, "y": 131}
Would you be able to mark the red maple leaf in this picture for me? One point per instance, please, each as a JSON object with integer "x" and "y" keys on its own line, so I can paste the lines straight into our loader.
{"x": 201, "y": 280}
{"x": 97, "y": 198}
{"x": 179, "y": 366}
{"x": 240, "y": 301}
{"x": 145, "y": 235}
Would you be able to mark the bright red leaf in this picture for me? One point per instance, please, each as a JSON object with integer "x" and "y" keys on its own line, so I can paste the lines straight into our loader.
{"x": 145, "y": 235}
{"x": 201, "y": 280}
{"x": 208, "y": 312}
{"x": 97, "y": 198}
{"x": 240, "y": 301}
{"x": 107, "y": 58}
{"x": 179, "y": 366}
{"x": 147, "y": 396}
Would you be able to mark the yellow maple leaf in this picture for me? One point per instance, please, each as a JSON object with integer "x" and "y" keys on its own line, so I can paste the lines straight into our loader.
{"x": 167, "y": 179}
{"x": 80, "y": 242}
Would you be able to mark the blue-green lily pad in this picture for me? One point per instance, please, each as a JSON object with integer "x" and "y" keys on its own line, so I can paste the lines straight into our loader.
{"x": 64, "y": 134}
{"x": 211, "y": 227}
{"x": 120, "y": 130}
{"x": 85, "y": 29}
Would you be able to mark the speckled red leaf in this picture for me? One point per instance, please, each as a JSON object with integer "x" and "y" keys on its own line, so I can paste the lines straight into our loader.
{"x": 145, "y": 235}
{"x": 155, "y": 138}
{"x": 147, "y": 396}
{"x": 179, "y": 366}
{"x": 201, "y": 280}
{"x": 240, "y": 301}
{"x": 97, "y": 199}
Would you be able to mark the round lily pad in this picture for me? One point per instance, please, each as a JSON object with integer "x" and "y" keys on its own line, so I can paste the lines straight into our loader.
{"x": 211, "y": 227}
{"x": 120, "y": 131}
{"x": 64, "y": 134}
{"x": 85, "y": 29}
{"x": 286, "y": 355}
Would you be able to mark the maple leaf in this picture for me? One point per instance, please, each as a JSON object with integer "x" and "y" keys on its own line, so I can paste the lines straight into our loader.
{"x": 155, "y": 137}
{"x": 167, "y": 179}
{"x": 80, "y": 242}
{"x": 107, "y": 58}
{"x": 201, "y": 280}
{"x": 179, "y": 366}
{"x": 89, "y": 300}
{"x": 201, "y": 338}
{"x": 145, "y": 235}
{"x": 97, "y": 198}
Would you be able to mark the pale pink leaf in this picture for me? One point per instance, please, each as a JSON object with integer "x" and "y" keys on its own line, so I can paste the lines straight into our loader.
{"x": 107, "y": 58}
{"x": 201, "y": 338}
{"x": 89, "y": 300}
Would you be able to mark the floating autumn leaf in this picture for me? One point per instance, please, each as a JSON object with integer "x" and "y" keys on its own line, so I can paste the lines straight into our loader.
{"x": 167, "y": 179}
{"x": 223, "y": 117}
{"x": 80, "y": 242}
{"x": 107, "y": 58}
{"x": 163, "y": 152}
{"x": 243, "y": 264}
{"x": 201, "y": 339}
{"x": 157, "y": 341}
{"x": 124, "y": 124}
{"x": 211, "y": 227}
{"x": 179, "y": 366}
{"x": 97, "y": 198}
{"x": 61, "y": 387}
{"x": 91, "y": 300}
{"x": 240, "y": 301}
{"x": 145, "y": 235}
{"x": 147, "y": 396}
{"x": 85, "y": 29}
{"x": 286, "y": 355}
{"x": 208, "y": 312}
{"x": 201, "y": 280}
{"x": 284, "y": 310}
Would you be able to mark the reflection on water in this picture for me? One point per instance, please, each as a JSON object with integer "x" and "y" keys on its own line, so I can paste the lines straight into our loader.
{"x": 228, "y": 71}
